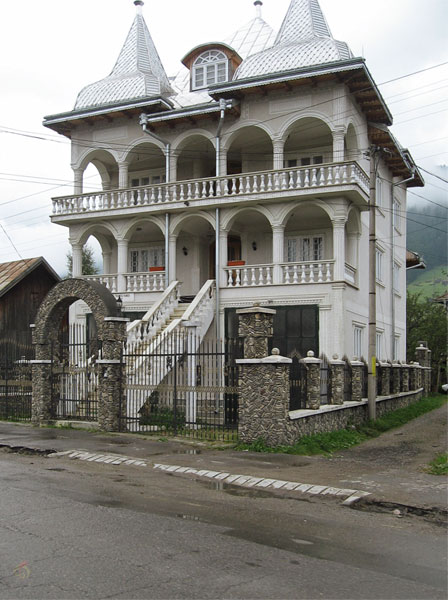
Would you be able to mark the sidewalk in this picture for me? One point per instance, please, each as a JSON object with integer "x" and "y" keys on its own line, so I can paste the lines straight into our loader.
{"x": 391, "y": 468}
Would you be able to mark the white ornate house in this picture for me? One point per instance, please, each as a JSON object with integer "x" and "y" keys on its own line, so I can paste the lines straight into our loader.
{"x": 250, "y": 169}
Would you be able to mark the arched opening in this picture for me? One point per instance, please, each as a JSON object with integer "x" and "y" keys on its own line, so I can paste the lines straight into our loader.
{"x": 309, "y": 142}
{"x": 196, "y": 159}
{"x": 352, "y": 236}
{"x": 100, "y": 171}
{"x": 250, "y": 150}
{"x": 351, "y": 150}
{"x": 146, "y": 165}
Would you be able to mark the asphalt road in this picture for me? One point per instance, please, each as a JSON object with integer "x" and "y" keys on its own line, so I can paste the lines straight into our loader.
{"x": 73, "y": 529}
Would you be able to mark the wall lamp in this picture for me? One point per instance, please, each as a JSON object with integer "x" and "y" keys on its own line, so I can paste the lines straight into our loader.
{"x": 254, "y": 246}
{"x": 119, "y": 304}
{"x": 185, "y": 250}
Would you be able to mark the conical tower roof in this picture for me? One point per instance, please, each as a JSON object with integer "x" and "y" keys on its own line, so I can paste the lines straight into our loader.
{"x": 138, "y": 72}
{"x": 304, "y": 39}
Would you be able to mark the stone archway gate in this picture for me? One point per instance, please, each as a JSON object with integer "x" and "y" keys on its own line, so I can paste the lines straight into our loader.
{"x": 111, "y": 329}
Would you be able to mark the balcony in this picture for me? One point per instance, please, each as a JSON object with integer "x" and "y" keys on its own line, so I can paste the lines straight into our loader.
{"x": 283, "y": 183}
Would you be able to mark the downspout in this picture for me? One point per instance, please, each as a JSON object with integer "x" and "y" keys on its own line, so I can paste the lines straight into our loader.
{"x": 223, "y": 105}
{"x": 144, "y": 124}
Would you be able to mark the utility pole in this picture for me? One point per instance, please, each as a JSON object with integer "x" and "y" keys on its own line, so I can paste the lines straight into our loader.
{"x": 371, "y": 389}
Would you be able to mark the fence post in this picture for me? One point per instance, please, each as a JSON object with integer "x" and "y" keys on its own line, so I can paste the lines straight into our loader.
{"x": 255, "y": 327}
{"x": 405, "y": 377}
{"x": 313, "y": 380}
{"x": 423, "y": 357}
{"x": 396, "y": 378}
{"x": 357, "y": 374}
{"x": 413, "y": 376}
{"x": 336, "y": 380}
{"x": 385, "y": 378}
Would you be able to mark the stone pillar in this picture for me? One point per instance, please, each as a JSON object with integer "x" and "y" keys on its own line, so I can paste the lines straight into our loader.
{"x": 111, "y": 390}
{"x": 264, "y": 398}
{"x": 221, "y": 278}
{"x": 336, "y": 373}
{"x": 278, "y": 147}
{"x": 312, "y": 381}
{"x": 76, "y": 260}
{"x": 78, "y": 181}
{"x": 413, "y": 376}
{"x": 357, "y": 375}
{"x": 122, "y": 265}
{"x": 42, "y": 409}
{"x": 278, "y": 238}
{"x": 396, "y": 378}
{"x": 123, "y": 175}
{"x": 385, "y": 379}
{"x": 255, "y": 327}
{"x": 338, "y": 144}
{"x": 339, "y": 248}
{"x": 172, "y": 250}
{"x": 405, "y": 378}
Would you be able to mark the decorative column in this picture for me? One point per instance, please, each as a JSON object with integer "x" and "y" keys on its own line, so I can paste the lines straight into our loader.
{"x": 357, "y": 375}
{"x": 312, "y": 381}
{"x": 77, "y": 260}
{"x": 223, "y": 162}
{"x": 172, "y": 249}
{"x": 338, "y": 143}
{"x": 278, "y": 148}
{"x": 107, "y": 262}
{"x": 122, "y": 265}
{"x": 123, "y": 175}
{"x": 336, "y": 368}
{"x": 339, "y": 248}
{"x": 221, "y": 278}
{"x": 78, "y": 181}
{"x": 278, "y": 239}
{"x": 173, "y": 167}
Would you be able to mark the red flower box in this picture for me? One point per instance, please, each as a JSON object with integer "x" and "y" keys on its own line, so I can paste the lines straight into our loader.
{"x": 236, "y": 263}
{"x": 153, "y": 269}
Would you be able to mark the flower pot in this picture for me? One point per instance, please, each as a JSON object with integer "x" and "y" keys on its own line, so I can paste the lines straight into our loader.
{"x": 236, "y": 263}
{"x": 156, "y": 269}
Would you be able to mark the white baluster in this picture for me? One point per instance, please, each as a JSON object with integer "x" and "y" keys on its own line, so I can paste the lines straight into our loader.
{"x": 55, "y": 204}
{"x": 337, "y": 178}
{"x": 262, "y": 183}
{"x": 253, "y": 277}
{"x": 295, "y": 278}
{"x": 291, "y": 180}
{"x": 225, "y": 186}
{"x": 196, "y": 190}
{"x": 284, "y": 181}
{"x": 276, "y": 182}
{"x": 182, "y": 194}
{"x": 240, "y": 185}
{"x": 303, "y": 276}
{"x": 245, "y": 277}
{"x": 234, "y": 188}
{"x": 204, "y": 189}
{"x": 268, "y": 276}
{"x": 238, "y": 278}
{"x": 320, "y": 276}
{"x": 322, "y": 175}
{"x": 307, "y": 178}
{"x": 328, "y": 278}
{"x": 344, "y": 174}
{"x": 286, "y": 271}
{"x": 189, "y": 196}
{"x": 255, "y": 185}
{"x": 269, "y": 182}
{"x": 314, "y": 177}
{"x": 353, "y": 174}
{"x": 330, "y": 176}
{"x": 311, "y": 273}
{"x": 152, "y": 198}
{"x": 229, "y": 278}
{"x": 248, "y": 185}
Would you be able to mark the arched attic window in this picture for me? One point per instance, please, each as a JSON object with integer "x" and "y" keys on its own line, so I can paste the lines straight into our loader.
{"x": 210, "y": 67}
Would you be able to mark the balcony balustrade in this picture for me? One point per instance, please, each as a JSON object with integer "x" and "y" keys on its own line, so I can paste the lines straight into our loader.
{"x": 247, "y": 184}
{"x": 292, "y": 274}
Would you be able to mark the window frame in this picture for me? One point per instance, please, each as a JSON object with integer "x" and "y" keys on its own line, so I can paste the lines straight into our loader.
{"x": 206, "y": 65}
{"x": 299, "y": 250}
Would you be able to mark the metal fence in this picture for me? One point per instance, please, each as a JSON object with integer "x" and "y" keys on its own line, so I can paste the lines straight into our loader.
{"x": 179, "y": 385}
{"x": 297, "y": 382}
{"x": 325, "y": 381}
{"x": 15, "y": 381}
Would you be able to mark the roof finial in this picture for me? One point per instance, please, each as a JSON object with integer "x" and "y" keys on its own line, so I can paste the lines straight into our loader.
{"x": 258, "y": 4}
{"x": 139, "y": 4}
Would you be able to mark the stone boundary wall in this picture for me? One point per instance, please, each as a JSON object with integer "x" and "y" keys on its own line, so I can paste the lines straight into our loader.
{"x": 333, "y": 418}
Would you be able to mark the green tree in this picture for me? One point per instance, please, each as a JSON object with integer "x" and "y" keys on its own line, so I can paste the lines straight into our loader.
{"x": 427, "y": 321}
{"x": 88, "y": 262}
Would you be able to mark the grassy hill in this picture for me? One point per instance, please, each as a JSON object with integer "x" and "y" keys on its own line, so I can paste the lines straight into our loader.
{"x": 429, "y": 283}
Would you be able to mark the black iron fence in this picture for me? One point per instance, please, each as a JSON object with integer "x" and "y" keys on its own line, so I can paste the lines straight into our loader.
{"x": 177, "y": 384}
{"x": 15, "y": 381}
{"x": 297, "y": 383}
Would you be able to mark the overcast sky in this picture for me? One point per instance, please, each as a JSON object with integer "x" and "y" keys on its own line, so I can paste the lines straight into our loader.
{"x": 50, "y": 49}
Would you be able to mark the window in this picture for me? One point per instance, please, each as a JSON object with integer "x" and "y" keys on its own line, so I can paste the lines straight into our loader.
{"x": 209, "y": 68}
{"x": 142, "y": 259}
{"x": 379, "y": 344}
{"x": 358, "y": 334}
{"x": 306, "y": 161}
{"x": 305, "y": 248}
{"x": 379, "y": 264}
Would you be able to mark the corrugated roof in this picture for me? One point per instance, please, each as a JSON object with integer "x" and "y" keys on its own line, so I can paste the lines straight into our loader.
{"x": 304, "y": 39}
{"x": 138, "y": 72}
{"x": 13, "y": 272}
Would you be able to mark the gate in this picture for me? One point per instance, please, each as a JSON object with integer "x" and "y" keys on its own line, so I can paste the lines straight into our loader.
{"x": 325, "y": 381}
{"x": 178, "y": 385}
{"x": 74, "y": 376}
{"x": 297, "y": 382}
{"x": 15, "y": 381}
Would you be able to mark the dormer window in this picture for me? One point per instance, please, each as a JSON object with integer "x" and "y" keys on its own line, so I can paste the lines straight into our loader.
{"x": 209, "y": 68}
